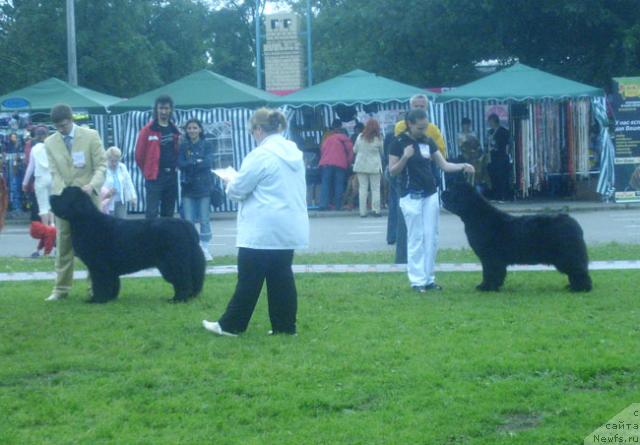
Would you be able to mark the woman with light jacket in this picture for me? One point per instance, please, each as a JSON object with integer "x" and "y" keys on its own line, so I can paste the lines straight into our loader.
{"x": 117, "y": 190}
{"x": 272, "y": 222}
{"x": 368, "y": 166}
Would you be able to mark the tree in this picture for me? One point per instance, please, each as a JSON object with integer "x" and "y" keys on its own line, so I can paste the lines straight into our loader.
{"x": 437, "y": 42}
{"x": 124, "y": 47}
{"x": 232, "y": 45}
{"x": 32, "y": 45}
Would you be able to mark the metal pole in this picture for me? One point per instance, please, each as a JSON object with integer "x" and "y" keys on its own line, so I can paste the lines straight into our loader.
{"x": 258, "y": 47}
{"x": 309, "y": 55}
{"x": 72, "y": 63}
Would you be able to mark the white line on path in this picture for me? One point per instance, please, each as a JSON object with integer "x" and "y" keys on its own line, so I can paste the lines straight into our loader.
{"x": 335, "y": 268}
{"x": 352, "y": 241}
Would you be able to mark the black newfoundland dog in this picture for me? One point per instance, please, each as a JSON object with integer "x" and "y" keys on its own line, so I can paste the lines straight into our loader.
{"x": 111, "y": 247}
{"x": 500, "y": 239}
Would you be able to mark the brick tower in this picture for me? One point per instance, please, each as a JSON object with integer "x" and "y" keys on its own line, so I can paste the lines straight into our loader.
{"x": 283, "y": 53}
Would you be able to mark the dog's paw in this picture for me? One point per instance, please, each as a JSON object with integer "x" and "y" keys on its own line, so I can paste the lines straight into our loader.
{"x": 573, "y": 288}
{"x": 96, "y": 301}
{"x": 486, "y": 288}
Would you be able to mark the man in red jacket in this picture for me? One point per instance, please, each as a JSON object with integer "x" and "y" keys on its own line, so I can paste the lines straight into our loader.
{"x": 157, "y": 157}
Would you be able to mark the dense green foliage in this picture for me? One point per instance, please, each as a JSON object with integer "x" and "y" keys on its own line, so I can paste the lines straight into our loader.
{"x": 124, "y": 47}
{"x": 437, "y": 42}
{"x": 373, "y": 363}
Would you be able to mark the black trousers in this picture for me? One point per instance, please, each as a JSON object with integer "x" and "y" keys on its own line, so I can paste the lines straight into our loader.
{"x": 162, "y": 194}
{"x": 500, "y": 174}
{"x": 396, "y": 227}
{"x": 254, "y": 267}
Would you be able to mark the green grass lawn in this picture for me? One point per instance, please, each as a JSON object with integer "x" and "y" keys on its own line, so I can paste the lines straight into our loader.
{"x": 374, "y": 363}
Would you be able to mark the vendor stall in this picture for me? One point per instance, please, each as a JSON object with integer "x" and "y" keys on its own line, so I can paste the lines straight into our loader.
{"x": 223, "y": 105}
{"x": 353, "y": 98}
{"x": 557, "y": 146}
{"x": 18, "y": 109}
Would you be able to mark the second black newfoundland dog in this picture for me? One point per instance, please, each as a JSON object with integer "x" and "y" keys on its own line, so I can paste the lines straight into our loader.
{"x": 111, "y": 247}
{"x": 500, "y": 239}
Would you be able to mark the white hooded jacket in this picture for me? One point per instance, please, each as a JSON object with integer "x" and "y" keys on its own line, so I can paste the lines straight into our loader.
{"x": 271, "y": 190}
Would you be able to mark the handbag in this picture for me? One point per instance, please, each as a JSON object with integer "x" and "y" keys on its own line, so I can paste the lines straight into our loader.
{"x": 217, "y": 196}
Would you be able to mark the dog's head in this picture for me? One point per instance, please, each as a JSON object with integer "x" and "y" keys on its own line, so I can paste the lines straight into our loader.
{"x": 72, "y": 204}
{"x": 460, "y": 197}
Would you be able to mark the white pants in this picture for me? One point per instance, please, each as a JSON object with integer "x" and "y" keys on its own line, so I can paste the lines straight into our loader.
{"x": 421, "y": 216}
{"x": 364, "y": 179}
{"x": 43, "y": 191}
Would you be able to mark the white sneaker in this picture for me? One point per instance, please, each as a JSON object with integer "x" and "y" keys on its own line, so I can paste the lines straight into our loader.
{"x": 214, "y": 326}
{"x": 205, "y": 251}
{"x": 270, "y": 332}
{"x": 55, "y": 297}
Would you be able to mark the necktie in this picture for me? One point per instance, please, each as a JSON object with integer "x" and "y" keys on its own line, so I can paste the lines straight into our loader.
{"x": 68, "y": 142}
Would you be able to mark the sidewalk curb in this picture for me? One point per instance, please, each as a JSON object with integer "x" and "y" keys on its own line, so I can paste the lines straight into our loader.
{"x": 334, "y": 268}
{"x": 551, "y": 207}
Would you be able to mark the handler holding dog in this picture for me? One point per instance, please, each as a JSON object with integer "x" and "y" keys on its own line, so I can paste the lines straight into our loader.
{"x": 76, "y": 157}
{"x": 272, "y": 222}
{"x": 411, "y": 157}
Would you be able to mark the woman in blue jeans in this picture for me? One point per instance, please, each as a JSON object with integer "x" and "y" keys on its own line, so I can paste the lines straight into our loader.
{"x": 195, "y": 161}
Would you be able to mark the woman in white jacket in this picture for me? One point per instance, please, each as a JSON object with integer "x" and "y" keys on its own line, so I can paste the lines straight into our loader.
{"x": 117, "y": 190}
{"x": 272, "y": 223}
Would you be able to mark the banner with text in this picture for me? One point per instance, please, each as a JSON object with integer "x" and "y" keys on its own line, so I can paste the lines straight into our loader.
{"x": 626, "y": 109}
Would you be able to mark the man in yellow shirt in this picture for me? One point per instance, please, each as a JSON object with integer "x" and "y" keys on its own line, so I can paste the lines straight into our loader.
{"x": 421, "y": 102}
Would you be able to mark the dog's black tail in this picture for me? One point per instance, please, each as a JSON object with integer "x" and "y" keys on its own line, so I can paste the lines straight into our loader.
{"x": 198, "y": 264}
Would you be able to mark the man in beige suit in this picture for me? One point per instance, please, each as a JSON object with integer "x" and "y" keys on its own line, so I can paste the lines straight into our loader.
{"x": 76, "y": 157}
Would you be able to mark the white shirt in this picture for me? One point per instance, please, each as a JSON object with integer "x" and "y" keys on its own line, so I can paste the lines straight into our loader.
{"x": 271, "y": 190}
{"x": 38, "y": 166}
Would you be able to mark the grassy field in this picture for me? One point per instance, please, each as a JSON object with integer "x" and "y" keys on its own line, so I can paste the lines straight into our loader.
{"x": 374, "y": 363}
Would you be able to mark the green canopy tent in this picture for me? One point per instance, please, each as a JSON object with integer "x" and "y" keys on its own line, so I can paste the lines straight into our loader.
{"x": 40, "y": 97}
{"x": 311, "y": 110}
{"x": 358, "y": 94}
{"x": 353, "y": 88}
{"x": 203, "y": 90}
{"x": 549, "y": 118}
{"x": 520, "y": 83}
{"x": 223, "y": 105}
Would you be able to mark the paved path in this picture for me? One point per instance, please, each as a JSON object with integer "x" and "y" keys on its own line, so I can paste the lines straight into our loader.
{"x": 342, "y": 232}
{"x": 334, "y": 268}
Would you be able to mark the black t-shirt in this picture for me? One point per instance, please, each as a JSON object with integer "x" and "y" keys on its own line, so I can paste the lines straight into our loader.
{"x": 417, "y": 175}
{"x": 168, "y": 157}
{"x": 499, "y": 139}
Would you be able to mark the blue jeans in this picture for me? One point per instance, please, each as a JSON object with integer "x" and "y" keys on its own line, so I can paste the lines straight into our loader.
{"x": 161, "y": 194}
{"x": 332, "y": 177}
{"x": 196, "y": 210}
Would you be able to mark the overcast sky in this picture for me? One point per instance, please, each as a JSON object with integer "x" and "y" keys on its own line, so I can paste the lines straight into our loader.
{"x": 274, "y": 6}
